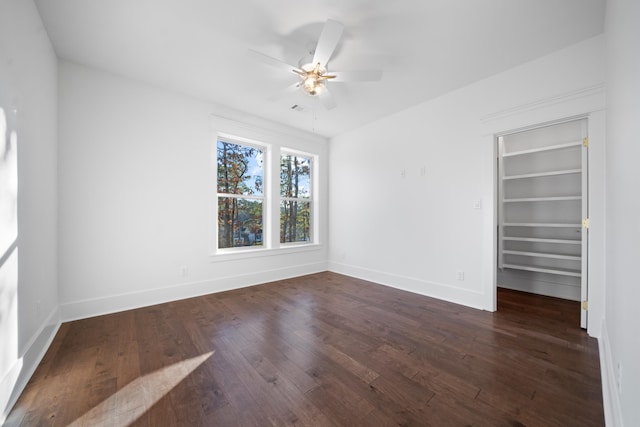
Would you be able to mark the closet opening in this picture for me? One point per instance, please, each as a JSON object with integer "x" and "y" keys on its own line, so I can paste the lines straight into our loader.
{"x": 542, "y": 211}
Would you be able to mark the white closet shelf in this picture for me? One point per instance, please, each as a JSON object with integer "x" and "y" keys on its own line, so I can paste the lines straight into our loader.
{"x": 543, "y": 199}
{"x": 542, "y": 224}
{"x": 573, "y": 273}
{"x": 541, "y": 174}
{"x": 542, "y": 240}
{"x": 542, "y": 255}
{"x": 542, "y": 149}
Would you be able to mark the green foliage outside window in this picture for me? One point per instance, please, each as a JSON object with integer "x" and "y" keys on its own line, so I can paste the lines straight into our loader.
{"x": 240, "y": 195}
{"x": 295, "y": 199}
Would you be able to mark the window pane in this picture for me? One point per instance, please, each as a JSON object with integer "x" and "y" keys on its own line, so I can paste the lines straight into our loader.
{"x": 295, "y": 176}
{"x": 295, "y": 221}
{"x": 239, "y": 222}
{"x": 240, "y": 169}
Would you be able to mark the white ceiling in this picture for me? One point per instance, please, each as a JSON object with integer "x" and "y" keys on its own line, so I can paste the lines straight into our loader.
{"x": 425, "y": 47}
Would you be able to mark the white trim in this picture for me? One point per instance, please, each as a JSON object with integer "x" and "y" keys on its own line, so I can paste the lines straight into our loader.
{"x": 540, "y": 287}
{"x": 610, "y": 399}
{"x": 16, "y": 379}
{"x": 10, "y": 389}
{"x": 233, "y": 254}
{"x": 568, "y": 106}
{"x": 126, "y": 301}
{"x": 440, "y": 291}
{"x": 313, "y": 190}
{"x": 265, "y": 149}
{"x": 579, "y": 94}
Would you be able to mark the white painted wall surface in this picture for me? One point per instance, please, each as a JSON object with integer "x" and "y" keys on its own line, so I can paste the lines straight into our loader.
{"x": 418, "y": 230}
{"x": 136, "y": 188}
{"x": 620, "y": 346}
{"x": 28, "y": 94}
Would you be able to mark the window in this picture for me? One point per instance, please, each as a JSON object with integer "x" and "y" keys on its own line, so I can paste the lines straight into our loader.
{"x": 268, "y": 192}
{"x": 295, "y": 198}
{"x": 240, "y": 194}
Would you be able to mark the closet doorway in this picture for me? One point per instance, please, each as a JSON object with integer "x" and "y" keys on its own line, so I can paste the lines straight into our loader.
{"x": 543, "y": 211}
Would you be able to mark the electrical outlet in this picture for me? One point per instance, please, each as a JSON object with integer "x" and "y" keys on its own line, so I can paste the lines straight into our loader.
{"x": 403, "y": 173}
{"x": 184, "y": 271}
{"x": 619, "y": 377}
{"x": 460, "y": 275}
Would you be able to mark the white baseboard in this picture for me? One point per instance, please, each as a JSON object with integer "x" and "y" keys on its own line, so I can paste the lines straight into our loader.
{"x": 610, "y": 399}
{"x": 570, "y": 293}
{"x": 526, "y": 282}
{"x": 417, "y": 286}
{"x": 115, "y": 303}
{"x": 14, "y": 382}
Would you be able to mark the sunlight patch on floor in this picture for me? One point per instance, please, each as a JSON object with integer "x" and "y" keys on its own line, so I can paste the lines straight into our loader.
{"x": 133, "y": 400}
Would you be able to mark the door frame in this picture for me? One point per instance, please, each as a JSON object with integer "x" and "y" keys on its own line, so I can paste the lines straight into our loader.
{"x": 584, "y": 279}
{"x": 587, "y": 101}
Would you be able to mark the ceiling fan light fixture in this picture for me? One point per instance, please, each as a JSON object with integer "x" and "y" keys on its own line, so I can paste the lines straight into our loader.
{"x": 313, "y": 79}
{"x": 310, "y": 80}
{"x": 312, "y": 70}
{"x": 312, "y": 84}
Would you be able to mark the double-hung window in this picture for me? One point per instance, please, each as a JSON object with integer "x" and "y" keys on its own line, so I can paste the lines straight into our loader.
{"x": 296, "y": 209}
{"x": 266, "y": 193}
{"x": 241, "y": 201}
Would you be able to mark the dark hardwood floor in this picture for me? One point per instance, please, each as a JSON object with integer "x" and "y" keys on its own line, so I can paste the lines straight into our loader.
{"x": 319, "y": 350}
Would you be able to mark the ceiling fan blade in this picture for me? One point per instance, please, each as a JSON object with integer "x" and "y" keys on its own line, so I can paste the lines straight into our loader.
{"x": 327, "y": 99}
{"x": 356, "y": 76}
{"x": 327, "y": 42}
{"x": 273, "y": 62}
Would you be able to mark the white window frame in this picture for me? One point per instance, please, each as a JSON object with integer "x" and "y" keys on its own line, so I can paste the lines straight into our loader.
{"x": 273, "y": 143}
{"x": 312, "y": 199}
{"x": 264, "y": 198}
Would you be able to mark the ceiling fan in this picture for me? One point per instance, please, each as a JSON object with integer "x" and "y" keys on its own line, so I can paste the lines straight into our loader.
{"x": 313, "y": 73}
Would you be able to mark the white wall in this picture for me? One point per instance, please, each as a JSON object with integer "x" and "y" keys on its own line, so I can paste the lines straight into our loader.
{"x": 28, "y": 285}
{"x": 418, "y": 230}
{"x": 620, "y": 347}
{"x": 136, "y": 186}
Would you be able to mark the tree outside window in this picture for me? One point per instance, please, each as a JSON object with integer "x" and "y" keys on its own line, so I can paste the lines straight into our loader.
{"x": 295, "y": 198}
{"x": 240, "y": 195}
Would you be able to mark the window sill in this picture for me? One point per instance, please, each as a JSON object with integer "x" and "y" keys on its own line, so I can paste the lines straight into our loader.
{"x": 239, "y": 254}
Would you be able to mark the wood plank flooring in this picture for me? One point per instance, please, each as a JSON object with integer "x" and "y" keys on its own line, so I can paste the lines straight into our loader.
{"x": 320, "y": 350}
